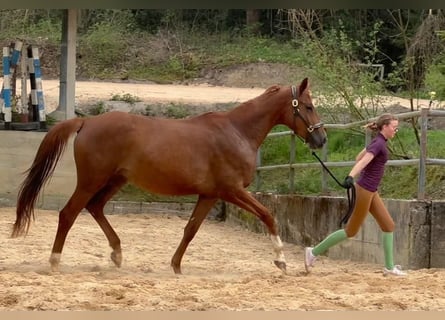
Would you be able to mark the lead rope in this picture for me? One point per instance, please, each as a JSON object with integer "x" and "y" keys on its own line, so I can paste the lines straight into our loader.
{"x": 350, "y": 192}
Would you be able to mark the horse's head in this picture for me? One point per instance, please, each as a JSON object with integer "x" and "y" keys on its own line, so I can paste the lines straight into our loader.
{"x": 305, "y": 120}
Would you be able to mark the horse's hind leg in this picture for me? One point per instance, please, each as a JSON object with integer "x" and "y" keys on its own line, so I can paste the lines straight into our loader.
{"x": 96, "y": 207}
{"x": 201, "y": 210}
{"x": 67, "y": 216}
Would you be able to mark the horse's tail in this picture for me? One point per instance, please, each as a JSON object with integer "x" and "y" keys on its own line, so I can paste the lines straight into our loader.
{"x": 50, "y": 150}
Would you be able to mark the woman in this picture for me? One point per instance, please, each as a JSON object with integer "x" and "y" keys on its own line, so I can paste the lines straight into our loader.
{"x": 370, "y": 164}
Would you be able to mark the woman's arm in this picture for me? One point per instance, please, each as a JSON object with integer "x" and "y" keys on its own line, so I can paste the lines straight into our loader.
{"x": 364, "y": 158}
{"x": 360, "y": 155}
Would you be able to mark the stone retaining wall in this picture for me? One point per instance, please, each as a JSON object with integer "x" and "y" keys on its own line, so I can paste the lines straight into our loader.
{"x": 419, "y": 238}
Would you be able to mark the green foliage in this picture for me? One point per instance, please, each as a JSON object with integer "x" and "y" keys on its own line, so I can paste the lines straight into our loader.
{"x": 98, "y": 108}
{"x": 32, "y": 26}
{"x": 127, "y": 97}
{"x": 103, "y": 50}
{"x": 46, "y": 29}
{"x": 435, "y": 141}
{"x": 148, "y": 111}
{"x": 122, "y": 19}
{"x": 343, "y": 145}
{"x": 176, "y": 111}
{"x": 178, "y": 56}
{"x": 228, "y": 50}
{"x": 50, "y": 121}
{"x": 435, "y": 78}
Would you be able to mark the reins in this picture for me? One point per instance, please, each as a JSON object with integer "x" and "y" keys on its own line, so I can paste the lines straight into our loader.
{"x": 350, "y": 192}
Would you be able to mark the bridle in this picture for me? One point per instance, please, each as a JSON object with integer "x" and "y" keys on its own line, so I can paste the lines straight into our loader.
{"x": 350, "y": 191}
{"x": 309, "y": 127}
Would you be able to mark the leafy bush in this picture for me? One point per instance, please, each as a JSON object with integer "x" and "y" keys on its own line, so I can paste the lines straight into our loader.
{"x": 176, "y": 111}
{"x": 435, "y": 78}
{"x": 129, "y": 98}
{"x": 98, "y": 108}
{"x": 103, "y": 51}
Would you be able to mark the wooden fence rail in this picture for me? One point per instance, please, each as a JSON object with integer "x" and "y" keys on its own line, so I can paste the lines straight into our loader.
{"x": 421, "y": 162}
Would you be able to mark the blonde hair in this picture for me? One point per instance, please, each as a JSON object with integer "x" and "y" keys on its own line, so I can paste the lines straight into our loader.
{"x": 384, "y": 119}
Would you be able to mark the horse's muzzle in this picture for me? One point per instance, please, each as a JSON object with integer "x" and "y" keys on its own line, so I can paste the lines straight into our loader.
{"x": 317, "y": 139}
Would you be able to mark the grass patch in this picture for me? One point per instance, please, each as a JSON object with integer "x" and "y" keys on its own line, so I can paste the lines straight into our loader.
{"x": 127, "y": 97}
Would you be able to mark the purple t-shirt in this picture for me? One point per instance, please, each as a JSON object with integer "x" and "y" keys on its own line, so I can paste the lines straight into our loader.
{"x": 372, "y": 174}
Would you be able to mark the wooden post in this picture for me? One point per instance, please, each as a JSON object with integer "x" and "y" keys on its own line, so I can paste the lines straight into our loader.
{"x": 423, "y": 152}
{"x": 291, "y": 161}
{"x": 66, "y": 107}
{"x": 258, "y": 172}
{"x": 24, "y": 89}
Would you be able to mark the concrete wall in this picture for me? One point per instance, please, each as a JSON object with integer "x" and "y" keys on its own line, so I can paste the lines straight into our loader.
{"x": 17, "y": 152}
{"x": 437, "y": 222}
{"x": 419, "y": 238}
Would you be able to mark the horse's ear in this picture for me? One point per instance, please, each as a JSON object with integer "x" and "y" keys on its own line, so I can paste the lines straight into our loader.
{"x": 304, "y": 85}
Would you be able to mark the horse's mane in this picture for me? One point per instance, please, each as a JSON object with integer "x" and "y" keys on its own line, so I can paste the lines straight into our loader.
{"x": 270, "y": 90}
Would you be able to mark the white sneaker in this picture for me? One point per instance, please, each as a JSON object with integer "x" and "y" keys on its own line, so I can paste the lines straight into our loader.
{"x": 309, "y": 259}
{"x": 396, "y": 271}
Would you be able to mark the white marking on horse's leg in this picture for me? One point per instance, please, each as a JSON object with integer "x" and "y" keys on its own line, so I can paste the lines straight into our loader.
{"x": 278, "y": 248}
{"x": 116, "y": 257}
{"x": 54, "y": 260}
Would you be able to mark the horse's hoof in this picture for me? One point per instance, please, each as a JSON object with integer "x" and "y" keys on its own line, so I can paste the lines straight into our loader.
{"x": 281, "y": 265}
{"x": 116, "y": 257}
{"x": 54, "y": 268}
{"x": 54, "y": 261}
{"x": 176, "y": 269}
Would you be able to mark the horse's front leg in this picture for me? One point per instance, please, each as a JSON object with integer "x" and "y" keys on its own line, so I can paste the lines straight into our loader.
{"x": 201, "y": 210}
{"x": 280, "y": 260}
{"x": 246, "y": 201}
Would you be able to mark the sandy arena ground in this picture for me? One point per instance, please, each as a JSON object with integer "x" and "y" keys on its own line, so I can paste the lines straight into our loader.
{"x": 224, "y": 268}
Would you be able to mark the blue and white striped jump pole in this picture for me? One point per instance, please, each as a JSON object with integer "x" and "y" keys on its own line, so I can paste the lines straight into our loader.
{"x": 35, "y": 76}
{"x": 6, "y": 91}
{"x": 16, "y": 53}
{"x": 14, "y": 60}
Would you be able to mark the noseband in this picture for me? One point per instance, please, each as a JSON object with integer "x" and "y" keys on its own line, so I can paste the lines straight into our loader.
{"x": 309, "y": 127}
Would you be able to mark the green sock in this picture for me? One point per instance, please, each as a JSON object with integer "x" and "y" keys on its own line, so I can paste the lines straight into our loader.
{"x": 388, "y": 239}
{"x": 330, "y": 241}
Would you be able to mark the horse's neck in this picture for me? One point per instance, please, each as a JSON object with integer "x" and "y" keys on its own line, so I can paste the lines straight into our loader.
{"x": 255, "y": 120}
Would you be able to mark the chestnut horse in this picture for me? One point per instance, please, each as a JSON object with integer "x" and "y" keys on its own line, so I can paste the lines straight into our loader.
{"x": 212, "y": 155}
